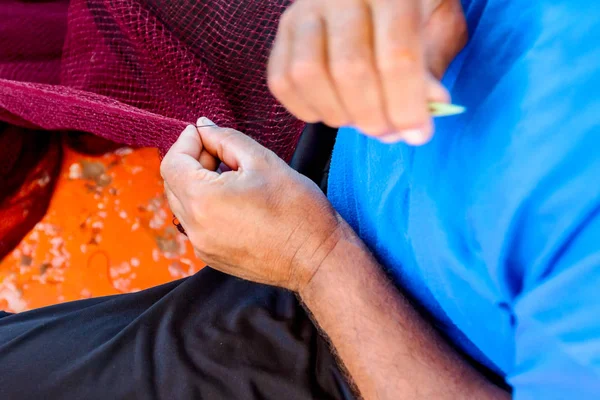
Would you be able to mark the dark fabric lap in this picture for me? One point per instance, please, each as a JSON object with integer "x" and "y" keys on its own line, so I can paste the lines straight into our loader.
{"x": 210, "y": 336}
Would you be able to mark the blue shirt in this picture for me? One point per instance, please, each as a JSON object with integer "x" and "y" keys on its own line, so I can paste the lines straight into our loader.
{"x": 494, "y": 226}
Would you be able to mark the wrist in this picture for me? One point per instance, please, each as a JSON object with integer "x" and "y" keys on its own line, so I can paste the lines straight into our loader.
{"x": 343, "y": 249}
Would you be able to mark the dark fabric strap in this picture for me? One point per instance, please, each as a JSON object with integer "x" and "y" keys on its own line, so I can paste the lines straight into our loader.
{"x": 313, "y": 153}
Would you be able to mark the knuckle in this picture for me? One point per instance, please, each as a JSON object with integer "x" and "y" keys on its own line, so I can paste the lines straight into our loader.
{"x": 288, "y": 18}
{"x": 280, "y": 84}
{"x": 407, "y": 116}
{"x": 170, "y": 195}
{"x": 404, "y": 122}
{"x": 200, "y": 208}
{"x": 371, "y": 126}
{"x": 306, "y": 71}
{"x": 335, "y": 120}
{"x": 232, "y": 139}
{"x": 262, "y": 158}
{"x": 165, "y": 168}
{"x": 267, "y": 157}
{"x": 308, "y": 23}
{"x": 229, "y": 134}
{"x": 353, "y": 69}
{"x": 353, "y": 12}
{"x": 461, "y": 32}
{"x": 400, "y": 59}
{"x": 191, "y": 193}
{"x": 203, "y": 174}
{"x": 335, "y": 115}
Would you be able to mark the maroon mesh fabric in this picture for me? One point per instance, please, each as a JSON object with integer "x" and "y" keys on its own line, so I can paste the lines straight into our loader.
{"x": 137, "y": 71}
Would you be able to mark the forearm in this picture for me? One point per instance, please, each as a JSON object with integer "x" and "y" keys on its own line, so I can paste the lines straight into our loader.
{"x": 388, "y": 349}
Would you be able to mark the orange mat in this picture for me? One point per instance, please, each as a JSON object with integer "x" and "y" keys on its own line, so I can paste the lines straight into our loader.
{"x": 108, "y": 230}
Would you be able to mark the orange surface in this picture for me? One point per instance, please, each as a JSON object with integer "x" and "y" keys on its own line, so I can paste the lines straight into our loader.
{"x": 108, "y": 230}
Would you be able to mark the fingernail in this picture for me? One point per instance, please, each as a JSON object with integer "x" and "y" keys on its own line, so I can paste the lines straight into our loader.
{"x": 202, "y": 121}
{"x": 414, "y": 136}
{"x": 437, "y": 92}
{"x": 189, "y": 129}
{"x": 419, "y": 136}
{"x": 392, "y": 138}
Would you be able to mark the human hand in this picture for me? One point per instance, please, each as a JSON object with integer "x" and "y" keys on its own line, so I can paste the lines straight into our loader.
{"x": 372, "y": 64}
{"x": 261, "y": 221}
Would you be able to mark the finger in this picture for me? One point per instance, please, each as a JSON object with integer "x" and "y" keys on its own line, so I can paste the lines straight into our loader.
{"x": 175, "y": 204}
{"x": 278, "y": 73}
{"x": 400, "y": 61}
{"x": 352, "y": 66}
{"x": 182, "y": 158}
{"x": 436, "y": 92}
{"x": 208, "y": 161}
{"x": 233, "y": 148}
{"x": 445, "y": 34}
{"x": 177, "y": 209}
{"x": 413, "y": 137}
{"x": 310, "y": 74}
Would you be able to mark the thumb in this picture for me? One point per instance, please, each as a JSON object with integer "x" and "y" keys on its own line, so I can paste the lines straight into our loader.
{"x": 446, "y": 35}
{"x": 233, "y": 148}
{"x": 181, "y": 164}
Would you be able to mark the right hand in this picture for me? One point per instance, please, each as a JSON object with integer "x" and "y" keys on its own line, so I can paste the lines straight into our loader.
{"x": 260, "y": 220}
{"x": 372, "y": 64}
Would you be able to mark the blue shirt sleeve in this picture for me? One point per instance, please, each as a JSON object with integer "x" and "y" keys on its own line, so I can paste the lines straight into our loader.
{"x": 557, "y": 338}
{"x": 553, "y": 246}
{"x": 553, "y": 260}
{"x": 546, "y": 230}
{"x": 550, "y": 251}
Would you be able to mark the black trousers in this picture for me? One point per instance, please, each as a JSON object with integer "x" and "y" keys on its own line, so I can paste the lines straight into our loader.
{"x": 211, "y": 336}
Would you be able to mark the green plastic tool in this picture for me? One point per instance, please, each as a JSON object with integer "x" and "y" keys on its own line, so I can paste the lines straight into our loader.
{"x": 445, "y": 110}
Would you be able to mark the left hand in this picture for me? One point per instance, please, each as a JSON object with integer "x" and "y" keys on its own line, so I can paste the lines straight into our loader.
{"x": 261, "y": 221}
{"x": 371, "y": 64}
